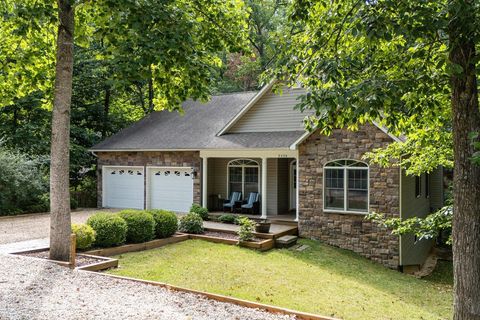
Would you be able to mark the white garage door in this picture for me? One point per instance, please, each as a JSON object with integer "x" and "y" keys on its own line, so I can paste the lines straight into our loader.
{"x": 171, "y": 188}
{"x": 123, "y": 187}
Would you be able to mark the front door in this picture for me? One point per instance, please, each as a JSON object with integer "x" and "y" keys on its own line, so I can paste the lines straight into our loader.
{"x": 293, "y": 185}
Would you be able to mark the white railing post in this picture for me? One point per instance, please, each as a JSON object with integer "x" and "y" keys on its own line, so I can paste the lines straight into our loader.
{"x": 264, "y": 188}
{"x": 204, "y": 182}
{"x": 297, "y": 190}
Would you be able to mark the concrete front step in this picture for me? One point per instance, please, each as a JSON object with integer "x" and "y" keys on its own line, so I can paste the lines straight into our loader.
{"x": 286, "y": 241}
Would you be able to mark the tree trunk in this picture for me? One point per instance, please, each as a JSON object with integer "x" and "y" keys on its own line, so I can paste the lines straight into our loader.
{"x": 466, "y": 180}
{"x": 151, "y": 107}
{"x": 106, "y": 111}
{"x": 60, "y": 223}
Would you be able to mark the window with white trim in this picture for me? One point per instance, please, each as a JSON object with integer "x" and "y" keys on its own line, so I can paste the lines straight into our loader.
{"x": 243, "y": 176}
{"x": 346, "y": 186}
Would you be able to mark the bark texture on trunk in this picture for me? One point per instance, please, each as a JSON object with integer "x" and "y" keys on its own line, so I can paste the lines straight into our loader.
{"x": 466, "y": 181}
{"x": 60, "y": 227}
{"x": 106, "y": 111}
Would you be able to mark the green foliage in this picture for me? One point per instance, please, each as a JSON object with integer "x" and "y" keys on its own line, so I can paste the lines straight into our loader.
{"x": 22, "y": 183}
{"x": 177, "y": 45}
{"x": 201, "y": 211}
{"x": 227, "y": 218}
{"x": 241, "y": 71}
{"x": 191, "y": 223}
{"x": 431, "y": 227}
{"x": 247, "y": 228}
{"x": 110, "y": 229}
{"x": 475, "y": 141}
{"x": 43, "y": 204}
{"x": 140, "y": 225}
{"x": 364, "y": 61}
{"x": 85, "y": 235}
{"x": 166, "y": 222}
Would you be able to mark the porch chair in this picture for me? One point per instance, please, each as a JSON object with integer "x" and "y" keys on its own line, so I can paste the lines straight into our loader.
{"x": 252, "y": 205}
{"x": 231, "y": 203}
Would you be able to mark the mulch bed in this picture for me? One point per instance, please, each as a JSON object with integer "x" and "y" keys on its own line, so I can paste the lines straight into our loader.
{"x": 80, "y": 259}
{"x": 226, "y": 235}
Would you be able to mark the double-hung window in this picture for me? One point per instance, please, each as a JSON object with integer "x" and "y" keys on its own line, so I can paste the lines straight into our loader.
{"x": 346, "y": 186}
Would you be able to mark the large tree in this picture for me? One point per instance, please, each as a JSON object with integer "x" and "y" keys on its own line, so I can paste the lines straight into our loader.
{"x": 412, "y": 66}
{"x": 60, "y": 222}
{"x": 170, "y": 45}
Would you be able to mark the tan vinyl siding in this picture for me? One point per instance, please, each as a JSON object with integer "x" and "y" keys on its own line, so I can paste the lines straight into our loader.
{"x": 414, "y": 253}
{"x": 272, "y": 186}
{"x": 273, "y": 113}
{"x": 436, "y": 189}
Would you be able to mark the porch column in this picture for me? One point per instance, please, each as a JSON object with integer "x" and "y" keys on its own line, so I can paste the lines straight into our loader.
{"x": 297, "y": 190}
{"x": 264, "y": 188}
{"x": 204, "y": 182}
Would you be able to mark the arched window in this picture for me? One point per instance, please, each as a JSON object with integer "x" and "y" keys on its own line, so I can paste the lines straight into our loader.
{"x": 346, "y": 184}
{"x": 243, "y": 176}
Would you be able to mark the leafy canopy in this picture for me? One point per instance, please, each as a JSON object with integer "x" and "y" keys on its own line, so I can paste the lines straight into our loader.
{"x": 382, "y": 60}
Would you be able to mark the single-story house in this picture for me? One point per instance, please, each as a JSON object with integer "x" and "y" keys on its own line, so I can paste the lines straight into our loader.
{"x": 256, "y": 142}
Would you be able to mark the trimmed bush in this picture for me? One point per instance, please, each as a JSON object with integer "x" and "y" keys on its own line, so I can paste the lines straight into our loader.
{"x": 140, "y": 225}
{"x": 166, "y": 222}
{"x": 191, "y": 223}
{"x": 110, "y": 229}
{"x": 85, "y": 235}
{"x": 201, "y": 211}
{"x": 227, "y": 218}
{"x": 247, "y": 227}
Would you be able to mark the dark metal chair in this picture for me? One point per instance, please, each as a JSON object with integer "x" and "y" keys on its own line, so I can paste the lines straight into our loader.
{"x": 231, "y": 203}
{"x": 252, "y": 204}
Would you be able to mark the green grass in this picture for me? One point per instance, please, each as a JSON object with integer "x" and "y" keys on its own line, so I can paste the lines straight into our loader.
{"x": 321, "y": 279}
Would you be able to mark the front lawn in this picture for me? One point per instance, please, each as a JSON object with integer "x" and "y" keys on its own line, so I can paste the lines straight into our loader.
{"x": 321, "y": 279}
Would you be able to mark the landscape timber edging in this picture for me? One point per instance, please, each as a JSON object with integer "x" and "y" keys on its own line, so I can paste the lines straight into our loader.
{"x": 221, "y": 298}
{"x": 256, "y": 234}
{"x": 263, "y": 245}
{"x": 157, "y": 243}
{"x": 106, "y": 262}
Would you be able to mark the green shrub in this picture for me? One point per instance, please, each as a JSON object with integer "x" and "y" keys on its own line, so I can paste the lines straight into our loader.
{"x": 44, "y": 203}
{"x": 191, "y": 223}
{"x": 227, "y": 218}
{"x": 166, "y": 222}
{"x": 247, "y": 227}
{"x": 140, "y": 225}
{"x": 201, "y": 211}
{"x": 85, "y": 235}
{"x": 238, "y": 219}
{"x": 110, "y": 229}
{"x": 73, "y": 203}
{"x": 22, "y": 181}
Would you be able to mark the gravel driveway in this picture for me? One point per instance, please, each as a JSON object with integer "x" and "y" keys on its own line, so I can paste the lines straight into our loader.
{"x": 35, "y": 289}
{"x": 35, "y": 226}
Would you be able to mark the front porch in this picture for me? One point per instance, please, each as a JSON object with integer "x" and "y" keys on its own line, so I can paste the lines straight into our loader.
{"x": 285, "y": 219}
{"x": 277, "y": 229}
{"x": 271, "y": 174}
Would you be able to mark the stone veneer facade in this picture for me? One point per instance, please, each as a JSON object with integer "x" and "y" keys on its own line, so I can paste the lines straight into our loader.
{"x": 349, "y": 231}
{"x": 150, "y": 158}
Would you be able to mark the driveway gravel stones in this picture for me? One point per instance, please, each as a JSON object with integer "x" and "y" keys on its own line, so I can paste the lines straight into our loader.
{"x": 35, "y": 289}
{"x": 36, "y": 226}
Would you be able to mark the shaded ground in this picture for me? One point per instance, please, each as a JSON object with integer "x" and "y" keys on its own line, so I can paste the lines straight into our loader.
{"x": 36, "y": 290}
{"x": 321, "y": 279}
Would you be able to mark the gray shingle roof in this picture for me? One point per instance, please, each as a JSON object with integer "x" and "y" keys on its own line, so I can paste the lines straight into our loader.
{"x": 195, "y": 129}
